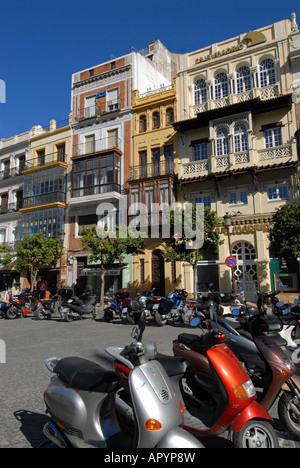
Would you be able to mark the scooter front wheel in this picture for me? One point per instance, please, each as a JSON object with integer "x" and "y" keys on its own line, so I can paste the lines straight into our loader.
{"x": 288, "y": 412}
{"x": 256, "y": 434}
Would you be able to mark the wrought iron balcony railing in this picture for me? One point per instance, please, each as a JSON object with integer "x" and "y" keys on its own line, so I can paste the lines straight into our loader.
{"x": 159, "y": 168}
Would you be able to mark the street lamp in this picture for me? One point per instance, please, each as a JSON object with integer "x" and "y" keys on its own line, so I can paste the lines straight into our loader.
{"x": 228, "y": 221}
{"x": 61, "y": 238}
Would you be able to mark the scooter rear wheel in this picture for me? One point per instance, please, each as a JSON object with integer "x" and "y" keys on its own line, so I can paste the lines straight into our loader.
{"x": 288, "y": 406}
{"x": 11, "y": 313}
{"x": 256, "y": 434}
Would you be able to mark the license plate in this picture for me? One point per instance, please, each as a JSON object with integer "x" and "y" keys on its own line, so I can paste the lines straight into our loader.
{"x": 124, "y": 311}
{"x": 155, "y": 307}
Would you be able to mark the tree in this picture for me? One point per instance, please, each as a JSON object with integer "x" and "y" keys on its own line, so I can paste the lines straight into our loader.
{"x": 36, "y": 251}
{"x": 107, "y": 250}
{"x": 284, "y": 234}
{"x": 176, "y": 247}
{"x": 6, "y": 255}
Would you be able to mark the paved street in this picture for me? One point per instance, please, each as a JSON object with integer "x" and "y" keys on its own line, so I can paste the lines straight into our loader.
{"x": 24, "y": 375}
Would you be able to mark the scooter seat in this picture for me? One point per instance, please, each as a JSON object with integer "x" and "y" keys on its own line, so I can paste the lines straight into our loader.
{"x": 173, "y": 365}
{"x": 83, "y": 374}
{"x": 198, "y": 343}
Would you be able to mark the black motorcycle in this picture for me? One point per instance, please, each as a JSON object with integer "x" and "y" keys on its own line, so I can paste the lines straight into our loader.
{"x": 77, "y": 307}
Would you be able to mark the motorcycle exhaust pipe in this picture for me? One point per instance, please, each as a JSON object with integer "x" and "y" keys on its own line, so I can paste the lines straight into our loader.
{"x": 52, "y": 433}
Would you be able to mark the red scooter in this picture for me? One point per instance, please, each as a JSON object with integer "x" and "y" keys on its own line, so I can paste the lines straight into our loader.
{"x": 22, "y": 306}
{"x": 217, "y": 392}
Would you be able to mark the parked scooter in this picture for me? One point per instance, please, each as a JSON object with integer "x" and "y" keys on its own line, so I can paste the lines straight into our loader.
{"x": 116, "y": 308}
{"x": 82, "y": 400}
{"x": 284, "y": 322}
{"x": 146, "y": 302}
{"x": 50, "y": 307}
{"x": 217, "y": 392}
{"x": 173, "y": 308}
{"x": 268, "y": 365}
{"x": 77, "y": 307}
{"x": 23, "y": 305}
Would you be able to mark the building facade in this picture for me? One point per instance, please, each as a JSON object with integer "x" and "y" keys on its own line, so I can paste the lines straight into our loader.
{"x": 46, "y": 192}
{"x": 153, "y": 182}
{"x": 237, "y": 149}
{"x": 14, "y": 152}
{"x": 102, "y": 148}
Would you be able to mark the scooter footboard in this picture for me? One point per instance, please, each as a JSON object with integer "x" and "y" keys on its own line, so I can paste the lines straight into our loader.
{"x": 253, "y": 411}
{"x": 179, "y": 438}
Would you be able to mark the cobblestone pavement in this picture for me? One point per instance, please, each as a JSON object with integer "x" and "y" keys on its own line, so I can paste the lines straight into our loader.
{"x": 24, "y": 376}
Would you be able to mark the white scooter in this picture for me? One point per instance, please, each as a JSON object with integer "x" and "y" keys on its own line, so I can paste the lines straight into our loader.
{"x": 82, "y": 400}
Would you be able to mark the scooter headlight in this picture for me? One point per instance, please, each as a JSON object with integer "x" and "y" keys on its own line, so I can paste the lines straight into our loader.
{"x": 244, "y": 391}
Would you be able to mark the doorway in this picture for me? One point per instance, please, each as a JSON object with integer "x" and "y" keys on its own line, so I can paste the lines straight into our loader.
{"x": 158, "y": 273}
{"x": 245, "y": 272}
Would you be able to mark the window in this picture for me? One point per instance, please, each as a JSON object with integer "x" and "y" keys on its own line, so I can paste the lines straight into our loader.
{"x": 61, "y": 152}
{"x": 155, "y": 120}
{"x": 41, "y": 158}
{"x": 135, "y": 201}
{"x": 143, "y": 163}
{"x": 50, "y": 222}
{"x": 96, "y": 175}
{"x": 221, "y": 86}
{"x": 112, "y": 102}
{"x": 87, "y": 221}
{"x": 143, "y": 124}
{"x": 238, "y": 198}
{"x": 89, "y": 144}
{"x": 112, "y": 138}
{"x": 149, "y": 197}
{"x": 267, "y": 72}
{"x": 169, "y": 116}
{"x": 200, "y": 152}
{"x": 243, "y": 79}
{"x": 273, "y": 137}
{"x": 164, "y": 194}
{"x": 90, "y": 107}
{"x": 155, "y": 161}
{"x": 200, "y": 91}
{"x": 169, "y": 158}
{"x": 222, "y": 142}
{"x": 240, "y": 138}
{"x": 205, "y": 199}
{"x": 278, "y": 193}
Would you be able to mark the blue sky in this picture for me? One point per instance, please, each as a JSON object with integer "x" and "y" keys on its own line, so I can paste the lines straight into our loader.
{"x": 43, "y": 42}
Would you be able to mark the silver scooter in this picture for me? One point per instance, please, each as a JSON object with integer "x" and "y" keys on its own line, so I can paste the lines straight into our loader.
{"x": 82, "y": 400}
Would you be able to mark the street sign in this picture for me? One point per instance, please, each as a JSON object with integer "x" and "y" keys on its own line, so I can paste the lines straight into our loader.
{"x": 230, "y": 261}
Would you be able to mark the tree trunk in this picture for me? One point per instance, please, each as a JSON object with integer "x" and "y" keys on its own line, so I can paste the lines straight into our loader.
{"x": 102, "y": 288}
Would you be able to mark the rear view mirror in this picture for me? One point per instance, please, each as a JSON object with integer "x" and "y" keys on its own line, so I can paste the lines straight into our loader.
{"x": 235, "y": 312}
{"x": 195, "y": 322}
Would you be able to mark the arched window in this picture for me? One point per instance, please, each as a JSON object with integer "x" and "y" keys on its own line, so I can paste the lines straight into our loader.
{"x": 155, "y": 120}
{"x": 222, "y": 141}
{"x": 243, "y": 79}
{"x": 267, "y": 72}
{"x": 221, "y": 86}
{"x": 169, "y": 116}
{"x": 200, "y": 91}
{"x": 143, "y": 124}
{"x": 240, "y": 138}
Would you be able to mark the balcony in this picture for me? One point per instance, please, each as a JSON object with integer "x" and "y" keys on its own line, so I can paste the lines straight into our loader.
{"x": 45, "y": 160}
{"x": 97, "y": 146}
{"x": 96, "y": 190}
{"x": 10, "y": 207}
{"x": 264, "y": 94}
{"x": 8, "y": 173}
{"x": 44, "y": 199}
{"x": 97, "y": 110}
{"x": 146, "y": 171}
{"x": 239, "y": 161}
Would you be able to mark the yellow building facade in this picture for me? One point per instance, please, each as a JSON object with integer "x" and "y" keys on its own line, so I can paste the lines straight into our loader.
{"x": 47, "y": 190}
{"x": 152, "y": 183}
